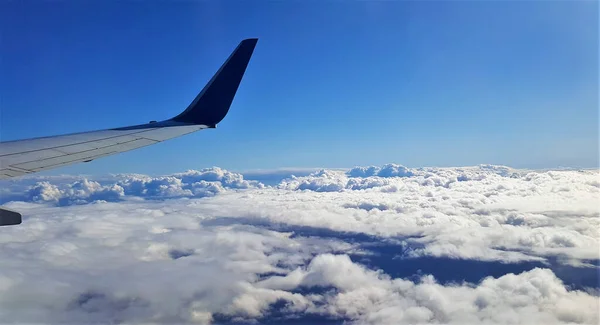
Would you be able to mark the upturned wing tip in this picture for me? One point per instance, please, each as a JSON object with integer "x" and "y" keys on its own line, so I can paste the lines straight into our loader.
{"x": 213, "y": 102}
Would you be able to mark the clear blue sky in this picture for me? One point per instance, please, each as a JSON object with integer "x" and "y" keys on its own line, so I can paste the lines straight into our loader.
{"x": 331, "y": 84}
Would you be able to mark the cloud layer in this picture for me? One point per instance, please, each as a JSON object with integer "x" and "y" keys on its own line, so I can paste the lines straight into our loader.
{"x": 210, "y": 246}
{"x": 79, "y": 190}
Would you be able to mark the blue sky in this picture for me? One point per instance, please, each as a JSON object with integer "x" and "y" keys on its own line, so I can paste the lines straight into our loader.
{"x": 331, "y": 84}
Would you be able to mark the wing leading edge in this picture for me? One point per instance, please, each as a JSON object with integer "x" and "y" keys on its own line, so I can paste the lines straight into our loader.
{"x": 211, "y": 105}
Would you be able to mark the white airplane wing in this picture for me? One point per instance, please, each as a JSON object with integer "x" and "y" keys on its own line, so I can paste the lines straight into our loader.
{"x": 21, "y": 157}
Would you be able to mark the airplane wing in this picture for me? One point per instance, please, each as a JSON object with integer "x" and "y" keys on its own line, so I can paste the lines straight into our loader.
{"x": 21, "y": 157}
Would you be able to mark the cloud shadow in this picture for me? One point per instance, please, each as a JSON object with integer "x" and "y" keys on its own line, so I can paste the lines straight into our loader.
{"x": 389, "y": 255}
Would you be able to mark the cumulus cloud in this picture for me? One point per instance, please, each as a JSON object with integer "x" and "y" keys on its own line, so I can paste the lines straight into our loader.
{"x": 147, "y": 262}
{"x": 79, "y": 192}
{"x": 76, "y": 190}
{"x": 210, "y": 246}
{"x": 388, "y": 170}
{"x": 372, "y": 297}
{"x": 142, "y": 262}
{"x": 484, "y": 212}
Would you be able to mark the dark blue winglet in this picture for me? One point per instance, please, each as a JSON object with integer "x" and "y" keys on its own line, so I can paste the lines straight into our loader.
{"x": 213, "y": 102}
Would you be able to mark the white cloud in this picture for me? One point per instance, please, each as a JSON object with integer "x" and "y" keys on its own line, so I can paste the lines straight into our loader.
{"x": 78, "y": 190}
{"x": 371, "y": 297}
{"x": 486, "y": 212}
{"x": 388, "y": 170}
{"x": 211, "y": 247}
{"x": 152, "y": 262}
{"x": 142, "y": 262}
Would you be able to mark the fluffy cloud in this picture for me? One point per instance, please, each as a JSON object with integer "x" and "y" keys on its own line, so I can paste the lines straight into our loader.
{"x": 163, "y": 262}
{"x": 485, "y": 212}
{"x": 389, "y": 170}
{"x": 210, "y": 246}
{"x": 77, "y": 190}
{"x": 372, "y": 297}
{"x": 480, "y": 213}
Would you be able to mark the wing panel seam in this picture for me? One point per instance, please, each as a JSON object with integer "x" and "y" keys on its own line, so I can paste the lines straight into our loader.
{"x": 79, "y": 143}
{"x": 70, "y": 161}
{"x": 79, "y": 152}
